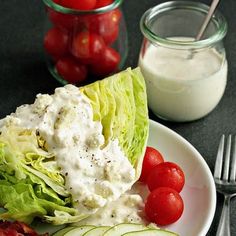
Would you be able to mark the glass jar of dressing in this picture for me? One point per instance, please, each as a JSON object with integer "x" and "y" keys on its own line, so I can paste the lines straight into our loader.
{"x": 185, "y": 78}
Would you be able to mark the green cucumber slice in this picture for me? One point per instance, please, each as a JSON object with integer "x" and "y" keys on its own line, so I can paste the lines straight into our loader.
{"x": 98, "y": 231}
{"x": 79, "y": 231}
{"x": 150, "y": 232}
{"x": 123, "y": 228}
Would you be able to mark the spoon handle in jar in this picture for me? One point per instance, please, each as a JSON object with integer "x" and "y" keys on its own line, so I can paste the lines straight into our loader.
{"x": 207, "y": 19}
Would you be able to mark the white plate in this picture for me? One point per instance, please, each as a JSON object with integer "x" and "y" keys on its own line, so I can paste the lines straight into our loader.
{"x": 199, "y": 193}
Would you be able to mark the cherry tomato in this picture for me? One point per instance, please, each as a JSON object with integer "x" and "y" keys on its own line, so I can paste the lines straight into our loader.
{"x": 71, "y": 70}
{"x": 103, "y": 3}
{"x": 106, "y": 24}
{"x": 56, "y": 42}
{"x": 166, "y": 174}
{"x": 79, "y": 4}
{"x": 109, "y": 19}
{"x": 60, "y": 20}
{"x": 87, "y": 47}
{"x": 116, "y": 16}
{"x": 164, "y": 206}
{"x": 110, "y": 36}
{"x": 107, "y": 63}
{"x": 109, "y": 25}
{"x": 89, "y": 22}
{"x": 151, "y": 159}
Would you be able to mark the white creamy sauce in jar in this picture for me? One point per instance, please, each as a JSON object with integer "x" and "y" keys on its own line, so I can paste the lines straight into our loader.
{"x": 180, "y": 88}
{"x": 94, "y": 175}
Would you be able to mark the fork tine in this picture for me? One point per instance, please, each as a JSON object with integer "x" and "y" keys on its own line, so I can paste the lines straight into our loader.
{"x": 227, "y": 159}
{"x": 233, "y": 163}
{"x": 219, "y": 158}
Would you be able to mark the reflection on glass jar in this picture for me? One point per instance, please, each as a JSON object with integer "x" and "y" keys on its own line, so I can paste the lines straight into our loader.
{"x": 185, "y": 78}
{"x": 82, "y": 44}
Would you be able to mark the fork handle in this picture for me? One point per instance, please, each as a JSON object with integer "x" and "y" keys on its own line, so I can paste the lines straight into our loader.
{"x": 224, "y": 225}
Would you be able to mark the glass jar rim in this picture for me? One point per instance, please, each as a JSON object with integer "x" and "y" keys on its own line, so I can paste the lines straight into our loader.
{"x": 218, "y": 18}
{"x": 65, "y": 10}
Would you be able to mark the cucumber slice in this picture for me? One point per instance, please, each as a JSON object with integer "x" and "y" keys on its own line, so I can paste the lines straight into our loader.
{"x": 123, "y": 228}
{"x": 79, "y": 231}
{"x": 62, "y": 232}
{"x": 150, "y": 232}
{"x": 98, "y": 231}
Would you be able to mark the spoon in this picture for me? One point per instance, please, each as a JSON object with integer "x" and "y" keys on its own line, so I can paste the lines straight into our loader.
{"x": 205, "y": 24}
{"x": 207, "y": 19}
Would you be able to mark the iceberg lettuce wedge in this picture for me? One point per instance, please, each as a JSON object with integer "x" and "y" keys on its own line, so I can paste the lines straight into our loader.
{"x": 31, "y": 184}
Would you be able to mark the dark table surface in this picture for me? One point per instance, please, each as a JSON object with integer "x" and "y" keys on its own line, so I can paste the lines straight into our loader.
{"x": 23, "y": 73}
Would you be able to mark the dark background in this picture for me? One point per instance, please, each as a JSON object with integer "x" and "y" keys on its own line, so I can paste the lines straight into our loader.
{"x": 23, "y": 73}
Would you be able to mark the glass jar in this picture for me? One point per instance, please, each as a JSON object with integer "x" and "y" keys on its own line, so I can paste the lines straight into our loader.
{"x": 84, "y": 44}
{"x": 185, "y": 78}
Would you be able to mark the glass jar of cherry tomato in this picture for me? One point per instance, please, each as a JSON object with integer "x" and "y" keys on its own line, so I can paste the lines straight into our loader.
{"x": 84, "y": 39}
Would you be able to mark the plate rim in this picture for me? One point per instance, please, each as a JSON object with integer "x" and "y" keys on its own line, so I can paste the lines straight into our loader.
{"x": 213, "y": 199}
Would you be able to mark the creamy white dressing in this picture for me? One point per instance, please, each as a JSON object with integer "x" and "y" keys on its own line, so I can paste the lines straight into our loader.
{"x": 129, "y": 208}
{"x": 180, "y": 88}
{"x": 94, "y": 175}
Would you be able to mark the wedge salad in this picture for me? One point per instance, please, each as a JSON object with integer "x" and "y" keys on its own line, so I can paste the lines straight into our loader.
{"x": 73, "y": 157}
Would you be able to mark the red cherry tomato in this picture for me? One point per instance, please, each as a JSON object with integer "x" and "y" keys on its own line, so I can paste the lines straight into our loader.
{"x": 151, "y": 159}
{"x": 64, "y": 21}
{"x": 110, "y": 36}
{"x": 87, "y": 47}
{"x": 71, "y": 70}
{"x": 107, "y": 63}
{"x": 109, "y": 26}
{"x": 103, "y": 3}
{"x": 88, "y": 21}
{"x": 79, "y": 4}
{"x": 166, "y": 174}
{"x": 56, "y": 42}
{"x": 109, "y": 19}
{"x": 106, "y": 24}
{"x": 115, "y": 16}
{"x": 164, "y": 206}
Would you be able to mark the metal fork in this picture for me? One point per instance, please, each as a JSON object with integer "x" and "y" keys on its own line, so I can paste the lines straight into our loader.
{"x": 225, "y": 180}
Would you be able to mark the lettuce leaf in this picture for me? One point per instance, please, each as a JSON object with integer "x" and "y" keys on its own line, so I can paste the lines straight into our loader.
{"x": 24, "y": 194}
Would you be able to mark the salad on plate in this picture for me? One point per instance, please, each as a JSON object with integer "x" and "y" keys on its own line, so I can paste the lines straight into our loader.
{"x": 75, "y": 156}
